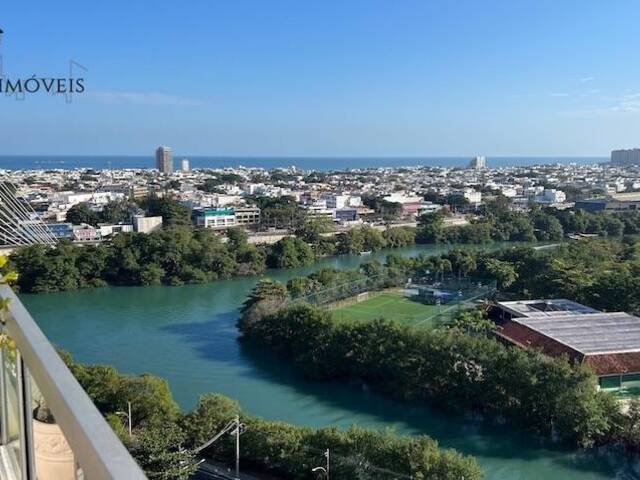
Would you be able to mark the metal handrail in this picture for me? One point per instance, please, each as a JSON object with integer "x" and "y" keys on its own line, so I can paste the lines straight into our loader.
{"x": 96, "y": 447}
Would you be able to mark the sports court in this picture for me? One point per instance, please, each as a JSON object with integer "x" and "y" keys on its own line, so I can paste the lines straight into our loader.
{"x": 391, "y": 305}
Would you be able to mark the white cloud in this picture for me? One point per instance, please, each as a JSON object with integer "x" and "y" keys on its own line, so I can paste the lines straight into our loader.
{"x": 627, "y": 103}
{"x": 622, "y": 104}
{"x": 559, "y": 94}
{"x": 522, "y": 95}
{"x": 586, "y": 79}
{"x": 142, "y": 98}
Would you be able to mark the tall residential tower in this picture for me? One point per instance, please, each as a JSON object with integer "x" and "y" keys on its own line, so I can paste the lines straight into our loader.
{"x": 478, "y": 163}
{"x": 164, "y": 159}
{"x": 625, "y": 157}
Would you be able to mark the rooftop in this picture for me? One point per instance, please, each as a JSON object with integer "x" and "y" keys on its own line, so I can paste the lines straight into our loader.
{"x": 545, "y": 308}
{"x": 608, "y": 341}
{"x": 590, "y": 333}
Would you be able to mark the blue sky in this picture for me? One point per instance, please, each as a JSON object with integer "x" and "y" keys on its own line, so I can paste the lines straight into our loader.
{"x": 349, "y": 78}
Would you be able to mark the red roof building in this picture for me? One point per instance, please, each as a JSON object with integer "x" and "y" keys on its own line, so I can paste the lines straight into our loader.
{"x": 609, "y": 342}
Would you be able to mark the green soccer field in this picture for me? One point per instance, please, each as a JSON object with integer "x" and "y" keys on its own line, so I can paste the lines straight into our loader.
{"x": 389, "y": 305}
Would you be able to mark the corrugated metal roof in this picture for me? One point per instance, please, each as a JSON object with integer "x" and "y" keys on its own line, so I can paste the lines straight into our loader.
{"x": 592, "y": 333}
{"x": 545, "y": 308}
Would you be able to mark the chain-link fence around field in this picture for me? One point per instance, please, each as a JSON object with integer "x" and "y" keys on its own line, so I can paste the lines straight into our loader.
{"x": 442, "y": 298}
{"x": 351, "y": 289}
{"x": 464, "y": 300}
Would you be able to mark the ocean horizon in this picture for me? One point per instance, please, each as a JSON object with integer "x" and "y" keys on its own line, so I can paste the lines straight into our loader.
{"x": 321, "y": 163}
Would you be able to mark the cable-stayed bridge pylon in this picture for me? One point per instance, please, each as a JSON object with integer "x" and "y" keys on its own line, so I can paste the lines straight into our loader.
{"x": 19, "y": 222}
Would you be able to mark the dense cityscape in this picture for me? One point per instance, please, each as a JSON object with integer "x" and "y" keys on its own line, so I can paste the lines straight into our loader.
{"x": 70, "y": 201}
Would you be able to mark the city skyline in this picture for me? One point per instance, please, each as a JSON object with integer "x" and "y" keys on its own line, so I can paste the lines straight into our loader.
{"x": 361, "y": 79}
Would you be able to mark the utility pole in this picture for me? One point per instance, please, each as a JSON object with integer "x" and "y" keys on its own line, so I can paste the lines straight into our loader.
{"x": 129, "y": 416}
{"x": 324, "y": 469}
{"x": 237, "y": 447}
{"x": 234, "y": 427}
{"x": 327, "y": 454}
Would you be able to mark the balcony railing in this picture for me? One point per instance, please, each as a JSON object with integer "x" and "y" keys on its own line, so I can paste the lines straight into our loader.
{"x": 72, "y": 442}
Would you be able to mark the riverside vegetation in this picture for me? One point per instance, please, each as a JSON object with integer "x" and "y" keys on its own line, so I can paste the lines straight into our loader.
{"x": 164, "y": 438}
{"x": 461, "y": 366}
{"x": 180, "y": 254}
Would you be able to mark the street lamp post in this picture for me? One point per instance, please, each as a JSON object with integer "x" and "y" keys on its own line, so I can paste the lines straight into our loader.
{"x": 128, "y": 415}
{"x": 324, "y": 470}
{"x": 237, "y": 447}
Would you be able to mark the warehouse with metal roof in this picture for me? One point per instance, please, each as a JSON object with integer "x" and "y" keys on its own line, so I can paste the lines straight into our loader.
{"x": 609, "y": 342}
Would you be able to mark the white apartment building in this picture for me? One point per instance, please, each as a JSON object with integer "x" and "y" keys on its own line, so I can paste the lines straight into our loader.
{"x": 144, "y": 224}
{"x": 336, "y": 201}
{"x": 509, "y": 192}
{"x": 551, "y": 196}
{"x": 473, "y": 196}
{"x": 216, "y": 218}
{"x": 69, "y": 199}
{"x": 106, "y": 230}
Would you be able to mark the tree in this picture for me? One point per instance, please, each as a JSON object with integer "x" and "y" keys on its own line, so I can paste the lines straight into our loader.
{"x": 467, "y": 265}
{"x": 613, "y": 226}
{"x": 311, "y": 231}
{"x": 290, "y": 252}
{"x": 281, "y": 212}
{"x": 160, "y": 453}
{"x": 399, "y": 236}
{"x": 473, "y": 322}
{"x": 390, "y": 210}
{"x": 631, "y": 432}
{"x": 504, "y": 272}
{"x": 547, "y": 227}
{"x": 173, "y": 213}
{"x": 150, "y": 397}
{"x": 457, "y": 201}
{"x": 92, "y": 262}
{"x": 118, "y": 211}
{"x": 151, "y": 274}
{"x": 430, "y": 228}
{"x": 236, "y": 239}
{"x": 81, "y": 213}
{"x": 267, "y": 296}
{"x": 213, "y": 412}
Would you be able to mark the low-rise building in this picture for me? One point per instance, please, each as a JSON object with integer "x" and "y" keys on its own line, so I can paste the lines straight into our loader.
{"x": 609, "y": 342}
{"x": 336, "y": 201}
{"x": 216, "y": 218}
{"x": 247, "y": 215}
{"x": 63, "y": 230}
{"x": 613, "y": 203}
{"x": 144, "y": 224}
{"x": 86, "y": 233}
{"x": 551, "y": 196}
{"x": 138, "y": 191}
{"x": 346, "y": 214}
{"x": 107, "y": 230}
{"x": 428, "y": 207}
{"x": 410, "y": 204}
{"x": 472, "y": 196}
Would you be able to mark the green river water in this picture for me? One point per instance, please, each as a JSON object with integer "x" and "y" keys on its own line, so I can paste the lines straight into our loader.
{"x": 187, "y": 335}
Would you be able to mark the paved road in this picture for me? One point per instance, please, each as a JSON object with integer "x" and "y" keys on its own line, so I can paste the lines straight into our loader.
{"x": 210, "y": 471}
